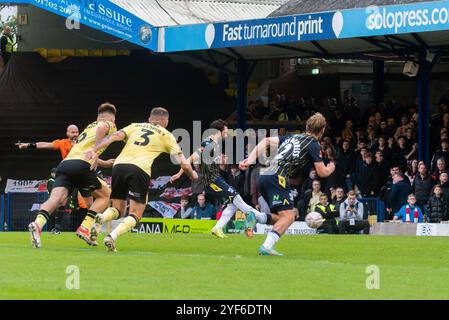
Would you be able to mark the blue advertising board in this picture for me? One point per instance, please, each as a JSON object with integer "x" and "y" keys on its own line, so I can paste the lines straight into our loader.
{"x": 351, "y": 23}
{"x": 102, "y": 15}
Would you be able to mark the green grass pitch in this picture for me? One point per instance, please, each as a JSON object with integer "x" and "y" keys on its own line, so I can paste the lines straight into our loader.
{"x": 175, "y": 266}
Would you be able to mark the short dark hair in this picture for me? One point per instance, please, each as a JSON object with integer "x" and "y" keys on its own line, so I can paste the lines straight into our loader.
{"x": 218, "y": 124}
{"x": 159, "y": 112}
{"x": 185, "y": 197}
{"x": 107, "y": 108}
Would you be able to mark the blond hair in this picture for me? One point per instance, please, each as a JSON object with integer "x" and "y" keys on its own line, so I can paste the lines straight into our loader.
{"x": 315, "y": 123}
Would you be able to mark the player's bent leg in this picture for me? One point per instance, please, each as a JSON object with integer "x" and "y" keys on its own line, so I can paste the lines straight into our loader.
{"x": 58, "y": 198}
{"x": 101, "y": 199}
{"x": 99, "y": 205}
{"x": 246, "y": 208}
{"x": 136, "y": 210}
{"x": 226, "y": 215}
{"x": 110, "y": 214}
{"x": 286, "y": 218}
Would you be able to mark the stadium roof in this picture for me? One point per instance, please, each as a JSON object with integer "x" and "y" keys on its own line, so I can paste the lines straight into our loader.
{"x": 309, "y": 6}
{"x": 182, "y": 12}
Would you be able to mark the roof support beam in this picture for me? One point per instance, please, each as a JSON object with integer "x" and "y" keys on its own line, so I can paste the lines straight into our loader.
{"x": 419, "y": 40}
{"x": 236, "y": 54}
{"x": 210, "y": 63}
{"x": 398, "y": 39}
{"x": 316, "y": 54}
{"x": 319, "y": 47}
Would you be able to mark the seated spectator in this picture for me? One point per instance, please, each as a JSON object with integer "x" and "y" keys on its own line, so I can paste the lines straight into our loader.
{"x": 442, "y": 153}
{"x": 310, "y": 200}
{"x": 315, "y": 195}
{"x": 351, "y": 215}
{"x": 329, "y": 213}
{"x": 348, "y": 133}
{"x": 444, "y": 184}
{"x": 437, "y": 206}
{"x": 338, "y": 197}
{"x": 410, "y": 138}
{"x": 185, "y": 212}
{"x": 347, "y": 162}
{"x": 412, "y": 170}
{"x": 402, "y": 130}
{"x": 391, "y": 127}
{"x": 401, "y": 153}
{"x": 410, "y": 212}
{"x": 236, "y": 179}
{"x": 422, "y": 185}
{"x": 380, "y": 174}
{"x": 307, "y": 185}
{"x": 364, "y": 175}
{"x": 398, "y": 194}
{"x": 204, "y": 210}
{"x": 441, "y": 167}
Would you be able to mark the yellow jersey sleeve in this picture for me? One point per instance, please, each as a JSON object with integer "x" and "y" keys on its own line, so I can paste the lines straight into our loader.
{"x": 128, "y": 131}
{"x": 171, "y": 145}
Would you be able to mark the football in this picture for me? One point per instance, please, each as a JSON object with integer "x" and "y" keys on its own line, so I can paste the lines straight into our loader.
{"x": 314, "y": 220}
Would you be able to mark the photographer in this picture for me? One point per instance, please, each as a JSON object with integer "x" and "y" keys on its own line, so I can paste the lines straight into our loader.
{"x": 351, "y": 215}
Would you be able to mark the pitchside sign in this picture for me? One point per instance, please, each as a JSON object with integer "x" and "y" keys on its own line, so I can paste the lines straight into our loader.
{"x": 432, "y": 229}
{"x": 150, "y": 225}
{"x": 297, "y": 228}
{"x": 25, "y": 186}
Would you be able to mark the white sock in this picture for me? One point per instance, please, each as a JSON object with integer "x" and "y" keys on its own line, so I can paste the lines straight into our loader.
{"x": 271, "y": 239}
{"x": 244, "y": 207}
{"x": 113, "y": 235}
{"x": 226, "y": 215}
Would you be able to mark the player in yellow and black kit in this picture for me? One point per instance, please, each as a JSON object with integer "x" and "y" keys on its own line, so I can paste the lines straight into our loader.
{"x": 131, "y": 173}
{"x": 74, "y": 172}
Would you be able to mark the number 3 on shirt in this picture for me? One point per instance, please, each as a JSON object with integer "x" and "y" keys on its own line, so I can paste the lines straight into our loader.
{"x": 145, "y": 137}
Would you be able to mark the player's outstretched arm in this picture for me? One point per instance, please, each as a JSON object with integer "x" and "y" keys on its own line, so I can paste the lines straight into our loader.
{"x": 187, "y": 167}
{"x": 258, "y": 151}
{"x": 324, "y": 171}
{"x": 106, "y": 141}
{"x": 189, "y": 160}
{"x": 35, "y": 145}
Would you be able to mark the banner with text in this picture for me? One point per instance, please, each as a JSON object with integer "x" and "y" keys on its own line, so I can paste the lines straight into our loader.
{"x": 350, "y": 23}
{"x": 104, "y": 16}
{"x": 26, "y": 186}
{"x": 152, "y": 225}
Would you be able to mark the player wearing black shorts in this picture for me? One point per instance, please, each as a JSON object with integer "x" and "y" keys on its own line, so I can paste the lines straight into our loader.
{"x": 76, "y": 173}
{"x": 209, "y": 158}
{"x": 295, "y": 152}
{"x": 131, "y": 173}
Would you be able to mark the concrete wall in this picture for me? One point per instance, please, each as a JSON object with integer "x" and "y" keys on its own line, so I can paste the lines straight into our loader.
{"x": 47, "y": 30}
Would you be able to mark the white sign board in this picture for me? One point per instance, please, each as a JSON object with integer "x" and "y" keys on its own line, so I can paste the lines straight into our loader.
{"x": 433, "y": 229}
{"x": 296, "y": 228}
{"x": 26, "y": 186}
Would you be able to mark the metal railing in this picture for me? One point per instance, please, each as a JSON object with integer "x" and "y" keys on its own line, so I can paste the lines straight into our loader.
{"x": 16, "y": 209}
